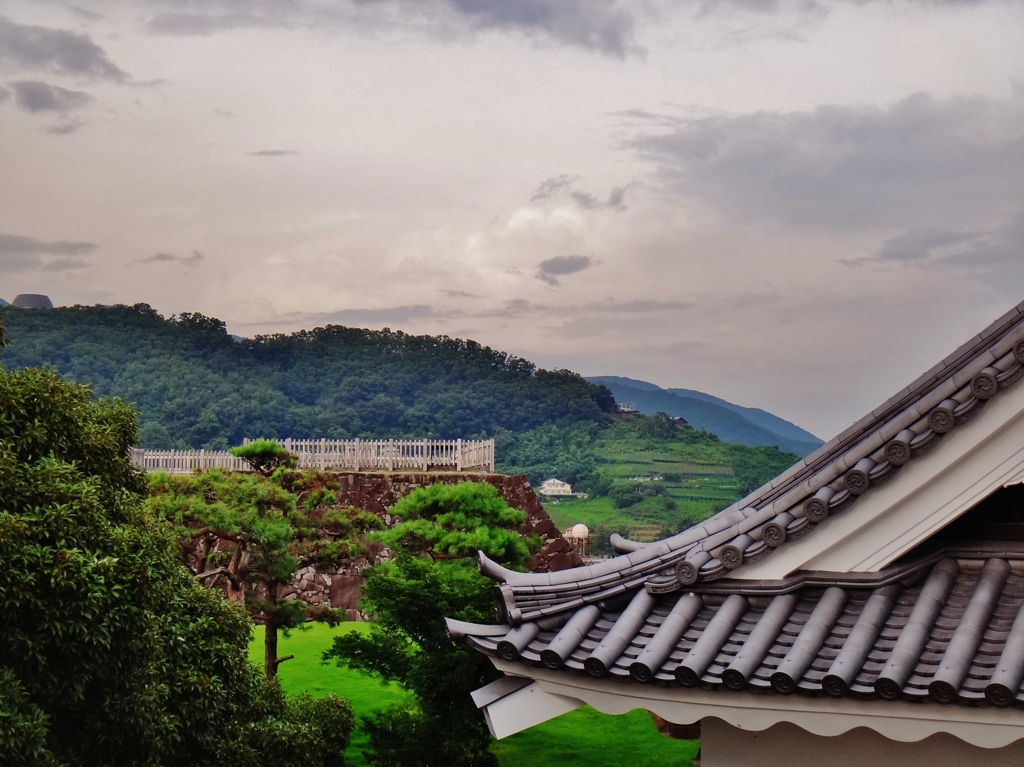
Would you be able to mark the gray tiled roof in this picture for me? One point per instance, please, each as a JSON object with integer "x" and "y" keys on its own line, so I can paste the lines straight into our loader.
{"x": 950, "y": 628}
{"x": 945, "y": 624}
{"x": 865, "y": 455}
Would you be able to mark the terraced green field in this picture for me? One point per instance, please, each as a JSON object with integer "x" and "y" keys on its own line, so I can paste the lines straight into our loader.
{"x": 657, "y": 478}
{"x": 697, "y": 488}
{"x": 581, "y": 738}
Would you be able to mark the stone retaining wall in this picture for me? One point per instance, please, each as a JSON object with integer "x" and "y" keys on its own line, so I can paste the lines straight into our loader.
{"x": 378, "y": 492}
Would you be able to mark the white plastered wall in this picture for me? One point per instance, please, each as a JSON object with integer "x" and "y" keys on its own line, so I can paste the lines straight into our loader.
{"x": 984, "y": 727}
{"x": 786, "y": 745}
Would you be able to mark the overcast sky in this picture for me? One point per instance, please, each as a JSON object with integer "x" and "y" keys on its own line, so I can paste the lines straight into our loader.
{"x": 796, "y": 205}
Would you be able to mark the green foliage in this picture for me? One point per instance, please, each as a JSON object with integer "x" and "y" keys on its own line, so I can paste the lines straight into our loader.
{"x": 306, "y": 732}
{"x": 110, "y": 652}
{"x": 552, "y": 450}
{"x": 324, "y": 533}
{"x": 451, "y": 521}
{"x": 196, "y": 386}
{"x": 250, "y": 534}
{"x": 433, "y": 577}
{"x": 624, "y": 495}
{"x": 265, "y": 456}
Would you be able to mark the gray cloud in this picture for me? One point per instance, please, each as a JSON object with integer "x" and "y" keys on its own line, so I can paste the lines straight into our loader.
{"x": 599, "y": 25}
{"x": 921, "y": 245}
{"x": 4, "y": 94}
{"x": 16, "y": 245}
{"x": 648, "y": 117}
{"x": 35, "y": 96}
{"x": 18, "y": 253}
{"x": 165, "y": 258}
{"x": 564, "y": 186}
{"x": 550, "y": 187}
{"x": 550, "y": 270}
{"x": 916, "y": 163}
{"x": 515, "y": 308}
{"x": 994, "y": 257}
{"x": 391, "y": 315}
{"x": 64, "y": 127}
{"x": 272, "y": 153}
{"x": 59, "y": 51}
{"x": 66, "y": 264}
{"x": 84, "y": 13}
{"x": 639, "y": 307}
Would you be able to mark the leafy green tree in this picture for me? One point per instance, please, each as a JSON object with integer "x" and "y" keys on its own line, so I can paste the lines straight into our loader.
{"x": 264, "y": 455}
{"x": 248, "y": 534}
{"x": 565, "y": 452}
{"x": 110, "y": 652}
{"x": 433, "y": 576}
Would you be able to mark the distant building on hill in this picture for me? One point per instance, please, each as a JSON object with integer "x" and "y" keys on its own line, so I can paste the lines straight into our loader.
{"x": 555, "y": 487}
{"x": 678, "y": 420}
{"x": 32, "y": 301}
{"x": 625, "y": 407}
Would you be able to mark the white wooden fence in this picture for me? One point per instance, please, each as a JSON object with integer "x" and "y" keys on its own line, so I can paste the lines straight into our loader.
{"x": 353, "y": 454}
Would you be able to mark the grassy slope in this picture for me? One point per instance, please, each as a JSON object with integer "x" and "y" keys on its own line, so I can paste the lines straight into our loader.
{"x": 700, "y": 481}
{"x": 582, "y": 738}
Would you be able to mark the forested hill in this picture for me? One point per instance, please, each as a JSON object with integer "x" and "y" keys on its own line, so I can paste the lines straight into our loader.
{"x": 732, "y": 423}
{"x": 196, "y": 386}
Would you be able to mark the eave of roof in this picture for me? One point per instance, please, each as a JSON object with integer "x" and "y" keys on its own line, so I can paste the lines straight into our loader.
{"x": 868, "y": 453}
{"x": 947, "y": 627}
{"x": 899, "y": 720}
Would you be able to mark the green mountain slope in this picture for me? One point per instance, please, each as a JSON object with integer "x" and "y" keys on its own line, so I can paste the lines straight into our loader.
{"x": 755, "y": 415}
{"x": 732, "y": 423}
{"x": 196, "y": 386}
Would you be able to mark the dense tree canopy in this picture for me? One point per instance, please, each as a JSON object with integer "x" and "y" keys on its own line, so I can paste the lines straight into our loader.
{"x": 248, "y": 534}
{"x": 433, "y": 576}
{"x": 110, "y": 652}
{"x": 196, "y": 386}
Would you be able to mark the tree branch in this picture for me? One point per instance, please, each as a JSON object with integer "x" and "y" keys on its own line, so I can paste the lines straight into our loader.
{"x": 211, "y": 573}
{"x": 283, "y": 658}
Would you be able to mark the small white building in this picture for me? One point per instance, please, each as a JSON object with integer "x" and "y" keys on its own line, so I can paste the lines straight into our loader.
{"x": 555, "y": 488}
{"x": 625, "y": 407}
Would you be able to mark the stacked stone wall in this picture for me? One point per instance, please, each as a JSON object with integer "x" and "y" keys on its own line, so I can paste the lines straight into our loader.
{"x": 378, "y": 492}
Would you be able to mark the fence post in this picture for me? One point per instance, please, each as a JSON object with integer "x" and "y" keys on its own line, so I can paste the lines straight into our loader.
{"x": 426, "y": 464}
{"x": 458, "y": 455}
{"x": 357, "y": 454}
{"x": 391, "y": 455}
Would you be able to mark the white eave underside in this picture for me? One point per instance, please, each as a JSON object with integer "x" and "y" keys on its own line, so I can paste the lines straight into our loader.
{"x": 985, "y": 727}
{"x": 971, "y": 463}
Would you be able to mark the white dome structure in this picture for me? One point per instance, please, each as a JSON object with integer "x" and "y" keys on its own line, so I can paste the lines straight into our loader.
{"x": 578, "y": 538}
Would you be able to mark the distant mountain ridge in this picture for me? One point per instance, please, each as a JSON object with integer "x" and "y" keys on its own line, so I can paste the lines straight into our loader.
{"x": 729, "y": 422}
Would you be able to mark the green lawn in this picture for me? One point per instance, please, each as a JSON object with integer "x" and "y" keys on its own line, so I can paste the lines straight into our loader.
{"x": 581, "y": 738}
